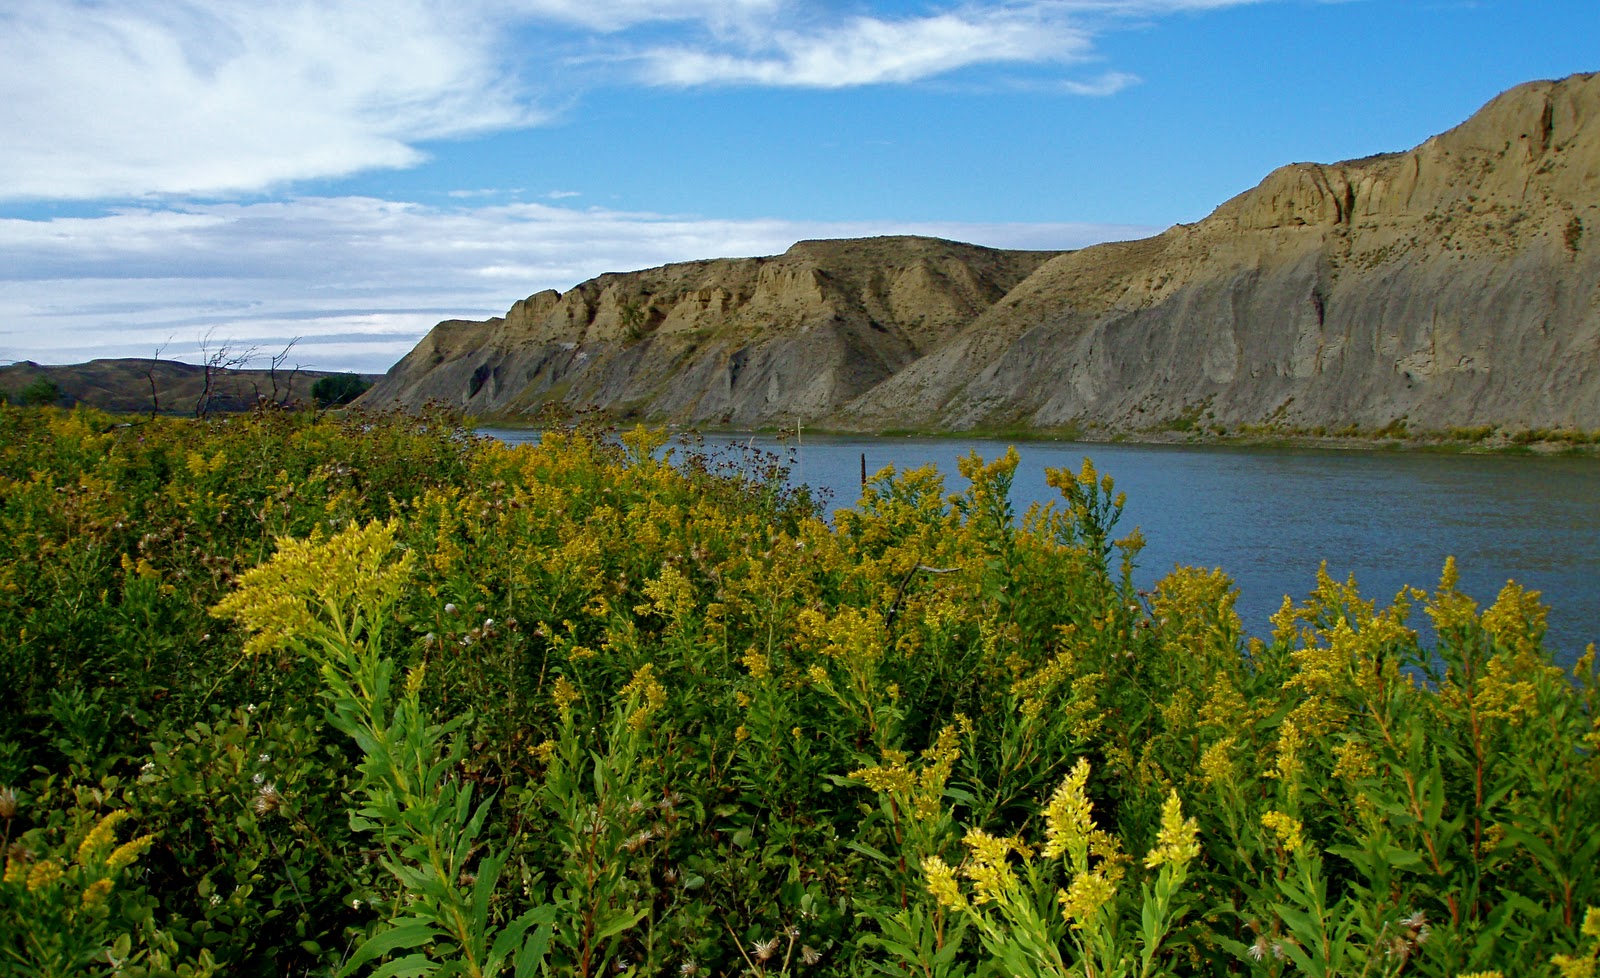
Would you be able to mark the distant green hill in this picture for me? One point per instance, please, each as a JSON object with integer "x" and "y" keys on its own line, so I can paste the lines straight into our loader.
{"x": 144, "y": 386}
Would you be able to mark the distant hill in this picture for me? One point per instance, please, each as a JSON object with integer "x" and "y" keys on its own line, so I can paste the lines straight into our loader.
{"x": 125, "y": 385}
{"x": 1455, "y": 284}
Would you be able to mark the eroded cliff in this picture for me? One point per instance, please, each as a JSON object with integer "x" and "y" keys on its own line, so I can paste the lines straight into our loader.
{"x": 1452, "y": 285}
{"x": 730, "y": 341}
{"x": 1457, "y": 284}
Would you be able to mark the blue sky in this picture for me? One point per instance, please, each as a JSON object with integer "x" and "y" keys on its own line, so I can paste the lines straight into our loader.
{"x": 348, "y": 172}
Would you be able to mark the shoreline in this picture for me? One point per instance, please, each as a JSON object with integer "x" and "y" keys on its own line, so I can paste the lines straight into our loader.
{"x": 1494, "y": 441}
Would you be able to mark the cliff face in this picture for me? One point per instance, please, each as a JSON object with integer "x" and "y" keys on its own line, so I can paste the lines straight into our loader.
{"x": 731, "y": 341}
{"x": 1455, "y": 284}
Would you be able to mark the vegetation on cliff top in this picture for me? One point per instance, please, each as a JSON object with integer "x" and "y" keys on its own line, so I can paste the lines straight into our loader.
{"x": 291, "y": 693}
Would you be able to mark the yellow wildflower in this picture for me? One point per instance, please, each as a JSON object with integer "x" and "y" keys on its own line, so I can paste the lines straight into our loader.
{"x": 125, "y": 854}
{"x": 741, "y": 733}
{"x": 1450, "y": 609}
{"x": 44, "y": 873}
{"x": 1177, "y": 842}
{"x": 1505, "y": 693}
{"x": 649, "y": 689}
{"x": 1353, "y": 761}
{"x": 414, "y": 678}
{"x": 16, "y": 870}
{"x": 942, "y": 885}
{"x": 288, "y": 598}
{"x": 1516, "y": 620}
{"x": 989, "y": 866}
{"x": 928, "y": 803}
{"x": 1084, "y": 897}
{"x": 1216, "y": 764}
{"x": 1573, "y": 966}
{"x": 565, "y": 694}
{"x": 96, "y": 892}
{"x": 100, "y": 837}
{"x": 757, "y": 663}
{"x": 1287, "y": 829}
{"x": 1591, "y": 923}
{"x": 887, "y": 779}
{"x": 1289, "y": 764}
{"x": 1069, "y": 817}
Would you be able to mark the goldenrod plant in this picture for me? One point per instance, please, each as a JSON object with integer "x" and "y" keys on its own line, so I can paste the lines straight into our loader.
{"x": 330, "y": 601}
{"x": 70, "y": 904}
{"x": 612, "y": 704}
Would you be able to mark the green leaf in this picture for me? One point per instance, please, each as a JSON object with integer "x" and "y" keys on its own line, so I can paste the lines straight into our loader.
{"x": 410, "y": 932}
{"x": 621, "y": 922}
{"x": 410, "y": 966}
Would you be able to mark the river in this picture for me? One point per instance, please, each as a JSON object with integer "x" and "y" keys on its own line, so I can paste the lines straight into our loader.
{"x": 1269, "y": 516}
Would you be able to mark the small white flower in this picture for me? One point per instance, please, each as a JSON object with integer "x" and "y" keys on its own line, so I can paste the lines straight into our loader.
{"x": 265, "y": 758}
{"x": 258, "y": 777}
{"x": 809, "y": 955}
{"x": 450, "y": 609}
{"x": 250, "y": 709}
{"x": 216, "y": 899}
{"x": 355, "y": 903}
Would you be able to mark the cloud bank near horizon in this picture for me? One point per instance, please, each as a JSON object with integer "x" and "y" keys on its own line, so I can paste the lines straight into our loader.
{"x": 359, "y": 280}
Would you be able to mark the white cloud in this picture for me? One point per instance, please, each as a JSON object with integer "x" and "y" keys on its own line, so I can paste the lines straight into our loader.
{"x": 1109, "y": 83}
{"x": 131, "y": 98}
{"x": 359, "y": 279}
{"x": 869, "y": 50}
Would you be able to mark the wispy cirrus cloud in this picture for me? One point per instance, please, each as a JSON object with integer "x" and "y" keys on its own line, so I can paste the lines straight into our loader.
{"x": 359, "y": 280}
{"x": 872, "y": 50}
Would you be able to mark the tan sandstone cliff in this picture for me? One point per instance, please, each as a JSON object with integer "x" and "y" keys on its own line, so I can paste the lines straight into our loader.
{"x": 1456, "y": 284}
{"x": 729, "y": 341}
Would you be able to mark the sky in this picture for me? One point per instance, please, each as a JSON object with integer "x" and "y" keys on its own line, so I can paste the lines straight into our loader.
{"x": 181, "y": 178}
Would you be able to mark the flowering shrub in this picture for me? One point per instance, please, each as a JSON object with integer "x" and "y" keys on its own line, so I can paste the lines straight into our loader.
{"x": 370, "y": 695}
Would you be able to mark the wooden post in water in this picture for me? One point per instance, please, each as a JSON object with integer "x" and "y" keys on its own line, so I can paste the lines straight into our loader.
{"x": 863, "y": 470}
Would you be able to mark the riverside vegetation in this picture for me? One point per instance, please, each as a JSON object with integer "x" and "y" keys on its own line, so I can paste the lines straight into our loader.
{"x": 296, "y": 694}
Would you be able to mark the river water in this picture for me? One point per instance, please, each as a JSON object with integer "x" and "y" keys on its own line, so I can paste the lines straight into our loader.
{"x": 1268, "y": 517}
